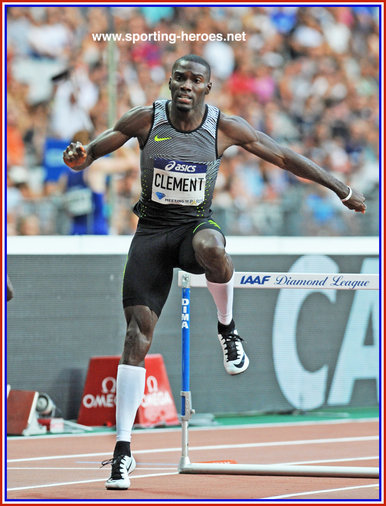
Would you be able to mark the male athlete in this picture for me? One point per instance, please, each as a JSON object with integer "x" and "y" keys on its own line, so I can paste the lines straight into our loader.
{"x": 182, "y": 141}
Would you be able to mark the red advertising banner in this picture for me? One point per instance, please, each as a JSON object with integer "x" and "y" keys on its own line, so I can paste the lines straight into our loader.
{"x": 98, "y": 399}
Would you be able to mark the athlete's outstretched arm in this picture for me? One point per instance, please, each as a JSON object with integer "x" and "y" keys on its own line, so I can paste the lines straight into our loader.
{"x": 235, "y": 130}
{"x": 135, "y": 123}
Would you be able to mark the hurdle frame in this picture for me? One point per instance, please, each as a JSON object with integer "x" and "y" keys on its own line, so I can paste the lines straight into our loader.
{"x": 261, "y": 280}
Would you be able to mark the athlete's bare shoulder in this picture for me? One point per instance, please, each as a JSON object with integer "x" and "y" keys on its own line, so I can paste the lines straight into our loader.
{"x": 234, "y": 130}
{"x": 136, "y": 122}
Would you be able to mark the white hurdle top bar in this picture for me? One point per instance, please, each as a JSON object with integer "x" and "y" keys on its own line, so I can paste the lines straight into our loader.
{"x": 307, "y": 280}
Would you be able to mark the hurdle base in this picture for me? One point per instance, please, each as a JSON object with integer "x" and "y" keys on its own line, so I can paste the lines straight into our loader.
{"x": 184, "y": 464}
{"x": 278, "y": 470}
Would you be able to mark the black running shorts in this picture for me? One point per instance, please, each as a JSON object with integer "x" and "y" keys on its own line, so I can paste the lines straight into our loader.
{"x": 153, "y": 254}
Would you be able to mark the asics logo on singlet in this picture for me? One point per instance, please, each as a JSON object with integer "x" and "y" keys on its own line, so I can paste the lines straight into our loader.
{"x": 180, "y": 167}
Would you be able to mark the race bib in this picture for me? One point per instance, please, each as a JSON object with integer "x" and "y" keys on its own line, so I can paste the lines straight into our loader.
{"x": 78, "y": 201}
{"x": 176, "y": 182}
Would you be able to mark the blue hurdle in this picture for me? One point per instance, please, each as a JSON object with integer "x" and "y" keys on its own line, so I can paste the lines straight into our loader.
{"x": 260, "y": 280}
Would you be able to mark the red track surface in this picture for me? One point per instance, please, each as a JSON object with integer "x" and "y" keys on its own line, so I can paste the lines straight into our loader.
{"x": 73, "y": 472}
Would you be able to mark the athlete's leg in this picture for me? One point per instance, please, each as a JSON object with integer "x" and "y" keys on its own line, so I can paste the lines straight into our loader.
{"x": 141, "y": 321}
{"x": 209, "y": 248}
{"x": 146, "y": 285}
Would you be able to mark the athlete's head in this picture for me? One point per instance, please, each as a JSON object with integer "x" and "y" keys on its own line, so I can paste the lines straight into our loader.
{"x": 193, "y": 58}
{"x": 190, "y": 82}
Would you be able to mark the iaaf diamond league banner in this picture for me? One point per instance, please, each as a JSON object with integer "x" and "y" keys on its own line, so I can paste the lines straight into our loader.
{"x": 312, "y": 342}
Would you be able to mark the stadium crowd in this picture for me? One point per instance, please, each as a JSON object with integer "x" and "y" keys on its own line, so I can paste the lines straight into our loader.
{"x": 306, "y": 76}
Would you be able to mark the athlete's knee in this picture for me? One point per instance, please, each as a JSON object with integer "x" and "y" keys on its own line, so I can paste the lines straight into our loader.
{"x": 139, "y": 334}
{"x": 212, "y": 254}
{"x": 209, "y": 248}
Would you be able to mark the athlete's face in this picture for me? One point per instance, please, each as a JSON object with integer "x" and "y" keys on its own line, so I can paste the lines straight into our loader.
{"x": 189, "y": 84}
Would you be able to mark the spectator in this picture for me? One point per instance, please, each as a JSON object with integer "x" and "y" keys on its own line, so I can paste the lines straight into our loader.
{"x": 15, "y": 144}
{"x": 49, "y": 36}
{"x": 84, "y": 192}
{"x": 29, "y": 225}
{"x": 69, "y": 114}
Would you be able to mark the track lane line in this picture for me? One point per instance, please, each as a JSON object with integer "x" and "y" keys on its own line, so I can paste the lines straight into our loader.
{"x": 313, "y": 492}
{"x": 143, "y": 468}
{"x": 62, "y": 484}
{"x": 211, "y": 447}
{"x": 346, "y": 459}
{"x": 208, "y": 428}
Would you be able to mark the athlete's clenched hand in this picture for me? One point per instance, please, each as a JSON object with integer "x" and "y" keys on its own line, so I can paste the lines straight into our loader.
{"x": 75, "y": 155}
{"x": 356, "y": 202}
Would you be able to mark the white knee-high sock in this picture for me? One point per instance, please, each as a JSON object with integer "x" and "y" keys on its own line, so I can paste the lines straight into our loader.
{"x": 222, "y": 294}
{"x": 129, "y": 394}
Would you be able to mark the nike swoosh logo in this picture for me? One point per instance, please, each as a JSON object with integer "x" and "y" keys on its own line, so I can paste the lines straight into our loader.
{"x": 240, "y": 364}
{"x": 158, "y": 139}
{"x": 131, "y": 467}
